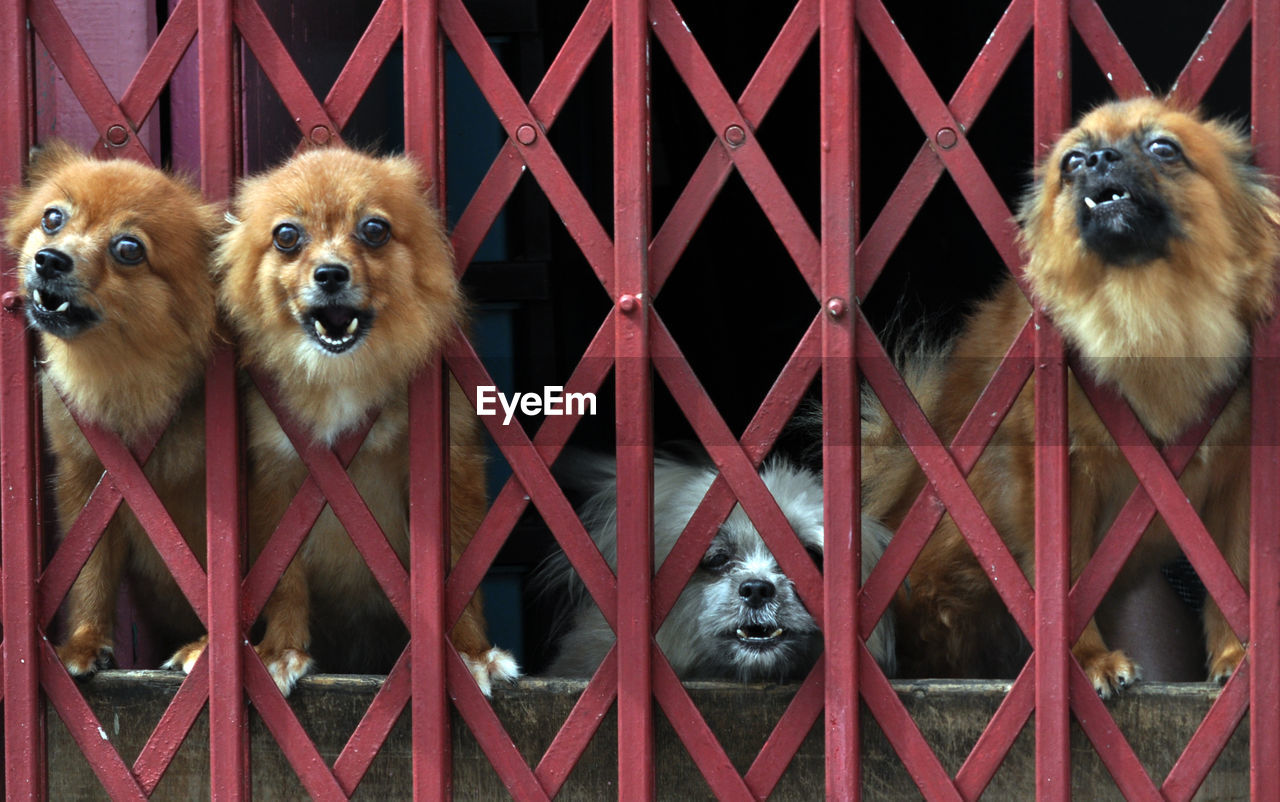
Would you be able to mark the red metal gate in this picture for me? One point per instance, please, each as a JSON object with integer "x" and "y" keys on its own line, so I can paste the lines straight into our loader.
{"x": 633, "y": 263}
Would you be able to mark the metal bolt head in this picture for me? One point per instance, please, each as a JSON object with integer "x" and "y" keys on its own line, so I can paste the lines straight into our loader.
{"x": 735, "y": 135}
{"x": 628, "y": 303}
{"x": 11, "y": 301}
{"x": 117, "y": 135}
{"x": 321, "y": 134}
{"x": 946, "y": 138}
{"x": 526, "y": 134}
{"x": 836, "y": 307}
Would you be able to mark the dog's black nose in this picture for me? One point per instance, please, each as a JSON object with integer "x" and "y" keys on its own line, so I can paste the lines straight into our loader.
{"x": 1101, "y": 161}
{"x": 332, "y": 278}
{"x": 51, "y": 263}
{"x": 755, "y": 592}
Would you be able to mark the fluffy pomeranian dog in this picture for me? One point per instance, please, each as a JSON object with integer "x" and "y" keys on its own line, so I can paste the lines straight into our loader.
{"x": 339, "y": 280}
{"x": 113, "y": 261}
{"x": 739, "y": 617}
{"x": 1151, "y": 243}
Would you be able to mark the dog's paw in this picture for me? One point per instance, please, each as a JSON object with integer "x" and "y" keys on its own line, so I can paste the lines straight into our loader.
{"x": 185, "y": 658}
{"x": 495, "y": 664}
{"x": 1111, "y": 672}
{"x": 1225, "y": 663}
{"x": 286, "y": 666}
{"x": 84, "y": 657}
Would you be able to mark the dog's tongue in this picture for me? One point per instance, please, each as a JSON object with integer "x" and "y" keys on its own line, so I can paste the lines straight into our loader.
{"x": 335, "y": 319}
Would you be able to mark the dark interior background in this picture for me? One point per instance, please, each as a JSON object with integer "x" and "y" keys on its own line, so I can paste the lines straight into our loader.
{"x": 735, "y": 303}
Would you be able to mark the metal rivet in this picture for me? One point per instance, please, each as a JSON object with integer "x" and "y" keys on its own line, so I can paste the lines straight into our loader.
{"x": 117, "y": 135}
{"x": 946, "y": 138}
{"x": 11, "y": 301}
{"x": 320, "y": 134}
{"x": 526, "y": 134}
{"x": 628, "y": 303}
{"x": 735, "y": 136}
{"x": 835, "y": 307}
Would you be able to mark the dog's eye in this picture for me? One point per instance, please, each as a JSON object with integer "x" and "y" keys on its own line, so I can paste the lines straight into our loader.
{"x": 715, "y": 562}
{"x": 1164, "y": 150}
{"x": 815, "y": 554}
{"x": 52, "y": 220}
{"x": 127, "y": 250}
{"x": 1073, "y": 161}
{"x": 287, "y": 237}
{"x": 374, "y": 231}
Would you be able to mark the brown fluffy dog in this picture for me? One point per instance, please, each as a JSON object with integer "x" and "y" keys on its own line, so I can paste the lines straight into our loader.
{"x": 339, "y": 279}
{"x": 1151, "y": 242}
{"x": 114, "y": 266}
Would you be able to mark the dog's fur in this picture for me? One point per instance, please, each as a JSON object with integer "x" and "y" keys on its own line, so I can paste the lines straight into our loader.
{"x": 125, "y": 346}
{"x": 1157, "y": 293}
{"x": 341, "y": 347}
{"x": 723, "y": 624}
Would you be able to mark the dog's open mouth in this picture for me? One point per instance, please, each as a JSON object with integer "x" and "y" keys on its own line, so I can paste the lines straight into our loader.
{"x": 1106, "y": 197}
{"x": 57, "y": 313}
{"x": 337, "y": 329}
{"x": 760, "y": 636}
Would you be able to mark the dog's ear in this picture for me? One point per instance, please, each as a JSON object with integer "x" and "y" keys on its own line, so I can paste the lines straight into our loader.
{"x": 48, "y": 157}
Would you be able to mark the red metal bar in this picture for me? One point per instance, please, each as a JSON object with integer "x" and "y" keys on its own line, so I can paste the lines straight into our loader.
{"x": 228, "y": 717}
{"x": 1123, "y": 75}
{"x": 84, "y": 533}
{"x": 24, "y": 762}
{"x": 542, "y": 160}
{"x": 1052, "y": 111}
{"x": 737, "y": 468}
{"x": 842, "y": 552}
{"x": 918, "y": 182}
{"x": 1203, "y": 66}
{"x": 263, "y": 41}
{"x": 84, "y": 728}
{"x": 583, "y": 721}
{"x": 630, "y": 287}
{"x": 374, "y": 727}
{"x": 935, "y": 118}
{"x": 1264, "y": 512}
{"x": 83, "y": 78}
{"x": 737, "y": 137}
{"x": 507, "y": 761}
{"x": 365, "y": 61}
{"x": 904, "y": 735}
{"x": 788, "y": 735}
{"x": 696, "y": 198}
{"x": 1110, "y": 744}
{"x": 707, "y": 753}
{"x": 927, "y": 510}
{"x": 946, "y": 477}
{"x": 545, "y": 105}
{"x": 1153, "y": 474}
{"x": 429, "y": 650}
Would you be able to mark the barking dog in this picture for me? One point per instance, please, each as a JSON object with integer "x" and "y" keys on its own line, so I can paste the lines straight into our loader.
{"x": 339, "y": 280}
{"x": 1151, "y": 243}
{"x": 114, "y": 265}
{"x": 739, "y": 617}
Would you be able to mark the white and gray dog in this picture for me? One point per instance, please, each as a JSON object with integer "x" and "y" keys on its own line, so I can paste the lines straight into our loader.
{"x": 739, "y": 617}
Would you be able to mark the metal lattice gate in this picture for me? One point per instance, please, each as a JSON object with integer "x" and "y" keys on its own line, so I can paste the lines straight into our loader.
{"x": 632, "y": 263}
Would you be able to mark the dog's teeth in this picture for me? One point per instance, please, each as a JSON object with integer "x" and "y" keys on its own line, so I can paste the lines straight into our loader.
{"x": 1089, "y": 202}
{"x": 776, "y": 632}
{"x": 64, "y": 306}
{"x": 1125, "y": 195}
{"x": 35, "y": 295}
{"x": 319, "y": 328}
{"x": 1116, "y": 197}
{"x": 742, "y": 633}
{"x": 353, "y": 325}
